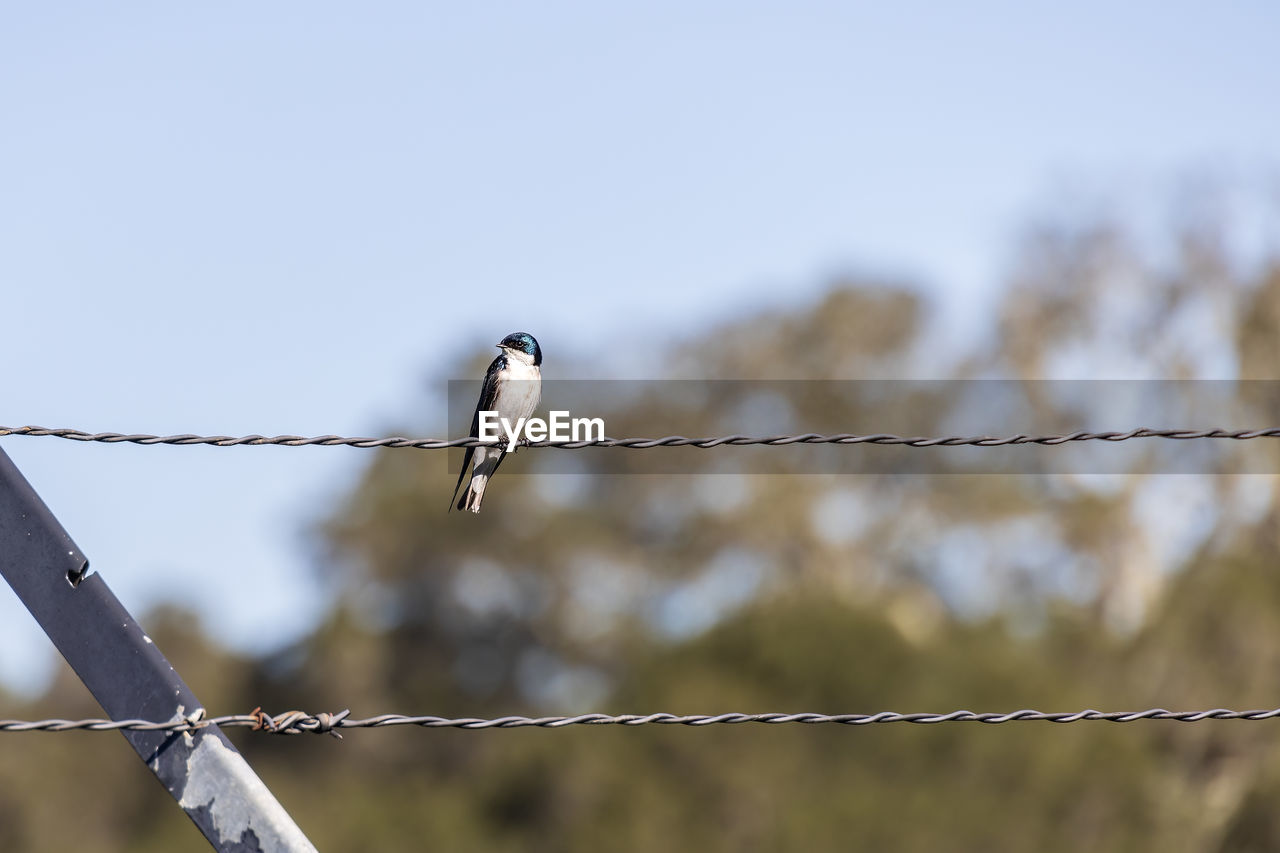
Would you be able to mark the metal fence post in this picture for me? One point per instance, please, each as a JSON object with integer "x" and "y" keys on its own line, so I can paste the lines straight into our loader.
{"x": 131, "y": 679}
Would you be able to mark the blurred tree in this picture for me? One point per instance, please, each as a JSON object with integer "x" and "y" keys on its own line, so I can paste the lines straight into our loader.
{"x": 766, "y": 586}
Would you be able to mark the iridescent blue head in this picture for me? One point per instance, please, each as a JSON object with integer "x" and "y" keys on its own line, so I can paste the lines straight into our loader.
{"x": 523, "y": 342}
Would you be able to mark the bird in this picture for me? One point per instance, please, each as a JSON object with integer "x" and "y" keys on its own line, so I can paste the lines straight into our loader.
{"x": 512, "y": 388}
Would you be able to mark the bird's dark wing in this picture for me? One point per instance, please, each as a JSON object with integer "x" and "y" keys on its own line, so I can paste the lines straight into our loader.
{"x": 488, "y": 395}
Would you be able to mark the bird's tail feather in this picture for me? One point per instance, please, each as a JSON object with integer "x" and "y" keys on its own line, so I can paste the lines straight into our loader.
{"x": 486, "y": 465}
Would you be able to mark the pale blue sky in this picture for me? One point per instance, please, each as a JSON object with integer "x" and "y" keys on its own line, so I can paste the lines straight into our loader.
{"x": 248, "y": 217}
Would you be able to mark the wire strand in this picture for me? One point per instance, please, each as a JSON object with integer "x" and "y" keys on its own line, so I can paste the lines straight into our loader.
{"x": 299, "y": 722}
{"x": 186, "y": 440}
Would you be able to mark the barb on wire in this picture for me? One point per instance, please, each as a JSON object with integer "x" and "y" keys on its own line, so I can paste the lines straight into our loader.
{"x": 300, "y": 722}
{"x": 639, "y": 443}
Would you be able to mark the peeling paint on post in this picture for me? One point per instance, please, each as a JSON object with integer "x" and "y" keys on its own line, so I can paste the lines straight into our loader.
{"x": 131, "y": 679}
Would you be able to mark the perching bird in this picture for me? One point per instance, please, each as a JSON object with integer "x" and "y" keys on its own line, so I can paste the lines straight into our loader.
{"x": 512, "y": 388}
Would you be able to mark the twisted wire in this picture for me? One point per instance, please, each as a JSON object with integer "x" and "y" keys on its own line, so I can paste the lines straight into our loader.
{"x": 299, "y": 722}
{"x": 639, "y": 443}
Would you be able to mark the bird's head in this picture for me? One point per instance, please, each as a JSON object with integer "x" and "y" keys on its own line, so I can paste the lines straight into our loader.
{"x": 524, "y": 344}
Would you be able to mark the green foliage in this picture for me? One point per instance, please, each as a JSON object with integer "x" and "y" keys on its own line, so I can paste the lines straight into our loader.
{"x": 751, "y": 592}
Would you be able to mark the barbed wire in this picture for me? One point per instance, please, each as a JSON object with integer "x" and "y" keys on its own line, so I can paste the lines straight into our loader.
{"x": 185, "y": 440}
{"x": 300, "y": 722}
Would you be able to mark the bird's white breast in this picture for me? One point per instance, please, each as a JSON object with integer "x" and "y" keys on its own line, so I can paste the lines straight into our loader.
{"x": 519, "y": 390}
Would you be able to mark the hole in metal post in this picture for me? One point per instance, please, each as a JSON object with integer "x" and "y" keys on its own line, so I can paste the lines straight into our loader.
{"x": 74, "y": 576}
